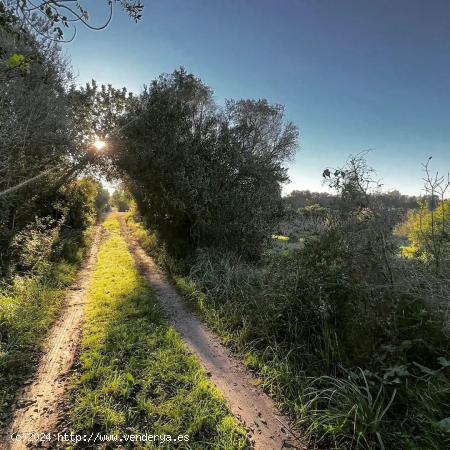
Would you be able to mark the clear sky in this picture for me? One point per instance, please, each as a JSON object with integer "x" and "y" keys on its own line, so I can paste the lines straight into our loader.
{"x": 353, "y": 74}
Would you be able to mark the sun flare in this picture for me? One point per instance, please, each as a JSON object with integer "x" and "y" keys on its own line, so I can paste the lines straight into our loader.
{"x": 99, "y": 144}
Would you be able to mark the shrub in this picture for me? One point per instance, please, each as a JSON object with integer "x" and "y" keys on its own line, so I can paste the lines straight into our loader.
{"x": 428, "y": 231}
{"x": 32, "y": 247}
{"x": 121, "y": 200}
{"x": 81, "y": 202}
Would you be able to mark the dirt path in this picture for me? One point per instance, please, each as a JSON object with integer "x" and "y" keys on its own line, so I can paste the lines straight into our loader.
{"x": 269, "y": 429}
{"x": 39, "y": 408}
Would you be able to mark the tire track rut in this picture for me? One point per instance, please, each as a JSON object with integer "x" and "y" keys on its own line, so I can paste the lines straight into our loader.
{"x": 40, "y": 404}
{"x": 268, "y": 428}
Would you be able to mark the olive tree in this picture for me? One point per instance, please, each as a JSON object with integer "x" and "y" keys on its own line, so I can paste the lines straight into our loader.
{"x": 205, "y": 175}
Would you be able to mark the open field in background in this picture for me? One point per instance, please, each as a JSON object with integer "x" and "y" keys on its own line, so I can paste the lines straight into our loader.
{"x": 355, "y": 383}
{"x": 135, "y": 373}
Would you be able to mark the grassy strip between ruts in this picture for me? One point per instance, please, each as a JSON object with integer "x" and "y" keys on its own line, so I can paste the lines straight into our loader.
{"x": 136, "y": 376}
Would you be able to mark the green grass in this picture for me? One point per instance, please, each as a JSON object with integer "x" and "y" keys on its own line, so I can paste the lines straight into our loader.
{"x": 136, "y": 375}
{"x": 28, "y": 307}
{"x": 342, "y": 410}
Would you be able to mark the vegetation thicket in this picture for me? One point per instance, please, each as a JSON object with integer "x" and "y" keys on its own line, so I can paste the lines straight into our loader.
{"x": 121, "y": 200}
{"x": 43, "y": 260}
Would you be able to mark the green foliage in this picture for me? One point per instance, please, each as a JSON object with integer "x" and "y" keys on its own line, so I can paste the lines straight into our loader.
{"x": 46, "y": 134}
{"x": 347, "y": 407}
{"x": 136, "y": 373}
{"x": 356, "y": 411}
{"x": 204, "y": 176}
{"x": 121, "y": 200}
{"x": 428, "y": 228}
{"x": 97, "y": 111}
{"x": 32, "y": 247}
{"x": 147, "y": 240}
{"x": 392, "y": 199}
{"x": 74, "y": 209}
{"x": 428, "y": 231}
{"x": 15, "y": 61}
{"x": 102, "y": 200}
{"x": 298, "y": 316}
{"x": 43, "y": 257}
{"x": 37, "y": 136}
{"x": 81, "y": 202}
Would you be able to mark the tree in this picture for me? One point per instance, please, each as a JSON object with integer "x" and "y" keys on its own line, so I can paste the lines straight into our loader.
{"x": 81, "y": 202}
{"x": 44, "y": 127}
{"x": 428, "y": 228}
{"x": 50, "y": 18}
{"x": 121, "y": 200}
{"x": 96, "y": 112}
{"x": 204, "y": 175}
{"x": 363, "y": 222}
{"x": 102, "y": 200}
{"x": 36, "y": 131}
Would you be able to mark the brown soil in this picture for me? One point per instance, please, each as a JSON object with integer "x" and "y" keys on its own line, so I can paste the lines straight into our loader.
{"x": 268, "y": 428}
{"x": 40, "y": 405}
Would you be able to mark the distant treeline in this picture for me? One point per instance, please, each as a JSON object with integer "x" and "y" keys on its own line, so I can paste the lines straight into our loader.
{"x": 392, "y": 199}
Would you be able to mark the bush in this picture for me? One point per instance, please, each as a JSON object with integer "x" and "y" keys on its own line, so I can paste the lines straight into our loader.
{"x": 81, "y": 202}
{"x": 301, "y": 315}
{"x": 44, "y": 256}
{"x": 428, "y": 231}
{"x": 121, "y": 200}
{"x": 61, "y": 233}
{"x": 36, "y": 135}
{"x": 33, "y": 246}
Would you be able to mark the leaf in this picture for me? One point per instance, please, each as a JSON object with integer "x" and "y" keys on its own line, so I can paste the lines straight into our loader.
{"x": 444, "y": 424}
{"x": 443, "y": 361}
{"x": 15, "y": 61}
{"x": 424, "y": 369}
{"x": 397, "y": 371}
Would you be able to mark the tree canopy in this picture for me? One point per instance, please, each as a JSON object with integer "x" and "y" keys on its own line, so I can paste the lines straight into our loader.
{"x": 205, "y": 175}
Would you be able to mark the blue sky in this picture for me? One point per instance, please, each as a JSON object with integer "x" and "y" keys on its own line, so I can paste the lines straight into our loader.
{"x": 353, "y": 75}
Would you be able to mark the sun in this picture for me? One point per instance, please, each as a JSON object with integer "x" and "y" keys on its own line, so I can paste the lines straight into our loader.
{"x": 99, "y": 144}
